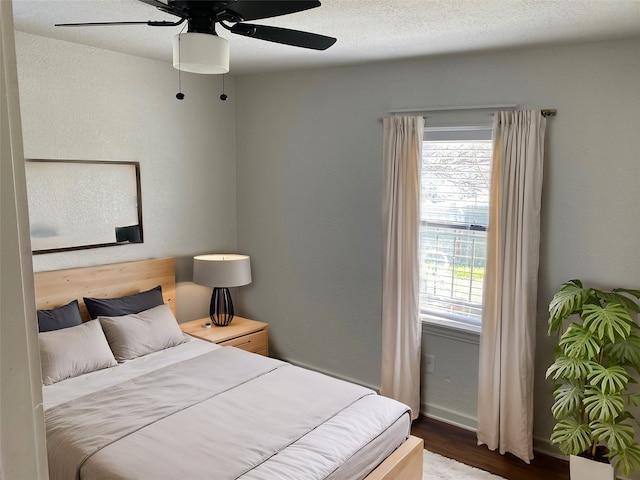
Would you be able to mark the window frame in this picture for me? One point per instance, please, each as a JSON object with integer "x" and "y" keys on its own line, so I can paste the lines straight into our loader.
{"x": 454, "y": 133}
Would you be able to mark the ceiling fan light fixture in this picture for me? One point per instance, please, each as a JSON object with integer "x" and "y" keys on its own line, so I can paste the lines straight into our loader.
{"x": 200, "y": 53}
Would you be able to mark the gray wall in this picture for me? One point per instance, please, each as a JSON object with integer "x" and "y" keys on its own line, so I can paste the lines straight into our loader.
{"x": 309, "y": 198}
{"x": 84, "y": 103}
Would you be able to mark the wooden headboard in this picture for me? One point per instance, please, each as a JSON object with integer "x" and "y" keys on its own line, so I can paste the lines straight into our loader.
{"x": 59, "y": 287}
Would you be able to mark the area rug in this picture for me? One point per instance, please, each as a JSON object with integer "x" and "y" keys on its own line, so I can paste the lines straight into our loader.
{"x": 437, "y": 467}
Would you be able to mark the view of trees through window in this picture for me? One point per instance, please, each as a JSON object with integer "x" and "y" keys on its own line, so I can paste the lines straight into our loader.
{"x": 456, "y": 176}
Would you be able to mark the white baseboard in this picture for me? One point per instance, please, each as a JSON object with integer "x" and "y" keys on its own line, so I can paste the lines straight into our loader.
{"x": 452, "y": 417}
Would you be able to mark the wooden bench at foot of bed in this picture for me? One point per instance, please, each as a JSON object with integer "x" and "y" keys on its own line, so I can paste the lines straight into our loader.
{"x": 403, "y": 464}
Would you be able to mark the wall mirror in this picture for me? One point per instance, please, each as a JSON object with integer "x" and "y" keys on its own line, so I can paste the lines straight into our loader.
{"x": 77, "y": 204}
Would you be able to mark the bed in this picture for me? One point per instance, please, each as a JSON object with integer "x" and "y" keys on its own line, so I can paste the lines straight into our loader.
{"x": 158, "y": 404}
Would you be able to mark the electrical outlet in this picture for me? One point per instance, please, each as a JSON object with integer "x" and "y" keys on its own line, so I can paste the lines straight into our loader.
{"x": 431, "y": 363}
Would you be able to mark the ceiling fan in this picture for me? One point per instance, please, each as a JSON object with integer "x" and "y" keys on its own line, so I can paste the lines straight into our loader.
{"x": 201, "y": 50}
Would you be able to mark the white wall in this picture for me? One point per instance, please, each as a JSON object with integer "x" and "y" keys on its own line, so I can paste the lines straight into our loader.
{"x": 89, "y": 104}
{"x": 309, "y": 197}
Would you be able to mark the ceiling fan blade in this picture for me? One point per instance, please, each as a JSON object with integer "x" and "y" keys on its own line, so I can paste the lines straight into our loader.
{"x": 163, "y": 7}
{"x": 153, "y": 23}
{"x": 243, "y": 10}
{"x": 156, "y": 3}
{"x": 286, "y": 36}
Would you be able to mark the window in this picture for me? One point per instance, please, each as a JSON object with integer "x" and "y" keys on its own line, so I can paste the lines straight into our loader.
{"x": 456, "y": 176}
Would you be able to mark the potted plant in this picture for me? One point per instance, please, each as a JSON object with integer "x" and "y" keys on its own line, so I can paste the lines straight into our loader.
{"x": 598, "y": 347}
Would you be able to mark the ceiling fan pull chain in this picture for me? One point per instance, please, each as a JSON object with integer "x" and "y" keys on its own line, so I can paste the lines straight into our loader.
{"x": 179, "y": 95}
{"x": 223, "y": 97}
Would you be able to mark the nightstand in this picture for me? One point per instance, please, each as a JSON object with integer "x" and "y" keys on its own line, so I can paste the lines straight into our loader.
{"x": 249, "y": 335}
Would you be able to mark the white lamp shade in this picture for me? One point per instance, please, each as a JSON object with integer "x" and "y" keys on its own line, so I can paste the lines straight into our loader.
{"x": 200, "y": 53}
{"x": 222, "y": 270}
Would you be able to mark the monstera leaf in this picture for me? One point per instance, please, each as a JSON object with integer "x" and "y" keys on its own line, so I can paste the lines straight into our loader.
{"x": 609, "y": 380}
{"x": 568, "y": 400}
{"x": 579, "y": 342}
{"x": 602, "y": 406}
{"x": 569, "y": 368}
{"x": 617, "y": 435}
{"x": 567, "y": 301}
{"x": 571, "y": 436}
{"x": 610, "y": 323}
{"x": 625, "y": 352}
{"x": 615, "y": 297}
{"x": 628, "y": 458}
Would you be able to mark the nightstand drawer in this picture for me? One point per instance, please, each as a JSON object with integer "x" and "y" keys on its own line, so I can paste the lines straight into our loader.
{"x": 254, "y": 342}
{"x": 243, "y": 333}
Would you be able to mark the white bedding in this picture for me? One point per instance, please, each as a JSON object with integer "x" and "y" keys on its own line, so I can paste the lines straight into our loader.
{"x": 274, "y": 421}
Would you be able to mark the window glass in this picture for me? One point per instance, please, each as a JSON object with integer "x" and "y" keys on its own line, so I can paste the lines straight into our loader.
{"x": 455, "y": 181}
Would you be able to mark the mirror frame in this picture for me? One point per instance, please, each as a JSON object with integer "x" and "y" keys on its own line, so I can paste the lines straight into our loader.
{"x": 136, "y": 166}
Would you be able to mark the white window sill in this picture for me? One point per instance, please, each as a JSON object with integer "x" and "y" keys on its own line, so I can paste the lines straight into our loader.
{"x": 444, "y": 327}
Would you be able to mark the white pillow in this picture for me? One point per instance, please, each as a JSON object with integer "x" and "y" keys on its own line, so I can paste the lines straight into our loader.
{"x": 138, "y": 334}
{"x": 73, "y": 351}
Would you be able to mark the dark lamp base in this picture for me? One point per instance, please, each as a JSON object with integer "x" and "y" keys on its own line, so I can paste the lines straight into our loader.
{"x": 221, "y": 308}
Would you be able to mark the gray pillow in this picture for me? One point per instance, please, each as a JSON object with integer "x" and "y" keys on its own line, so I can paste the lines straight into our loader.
{"x": 114, "y": 307}
{"x": 138, "y": 334}
{"x": 62, "y": 317}
{"x": 73, "y": 351}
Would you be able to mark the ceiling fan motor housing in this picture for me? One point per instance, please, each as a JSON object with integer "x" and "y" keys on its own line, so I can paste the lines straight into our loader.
{"x": 200, "y": 53}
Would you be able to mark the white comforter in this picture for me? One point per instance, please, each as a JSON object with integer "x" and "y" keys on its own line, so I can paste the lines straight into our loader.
{"x": 199, "y": 411}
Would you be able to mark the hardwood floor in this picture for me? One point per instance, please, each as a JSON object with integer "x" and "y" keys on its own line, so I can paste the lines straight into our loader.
{"x": 460, "y": 444}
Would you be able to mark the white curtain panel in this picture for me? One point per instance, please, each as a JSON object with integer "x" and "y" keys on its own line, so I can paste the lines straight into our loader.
{"x": 22, "y": 445}
{"x": 507, "y": 342}
{"x": 401, "y": 331}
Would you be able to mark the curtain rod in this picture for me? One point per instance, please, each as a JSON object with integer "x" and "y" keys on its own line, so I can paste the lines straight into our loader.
{"x": 545, "y": 112}
{"x": 462, "y": 107}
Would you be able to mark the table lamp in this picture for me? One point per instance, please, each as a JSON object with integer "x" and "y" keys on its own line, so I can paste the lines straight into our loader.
{"x": 221, "y": 271}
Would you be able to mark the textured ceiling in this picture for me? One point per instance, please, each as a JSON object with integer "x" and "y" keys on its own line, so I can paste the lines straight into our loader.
{"x": 367, "y": 30}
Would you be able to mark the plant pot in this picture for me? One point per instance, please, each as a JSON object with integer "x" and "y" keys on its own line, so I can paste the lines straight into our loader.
{"x": 585, "y": 469}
